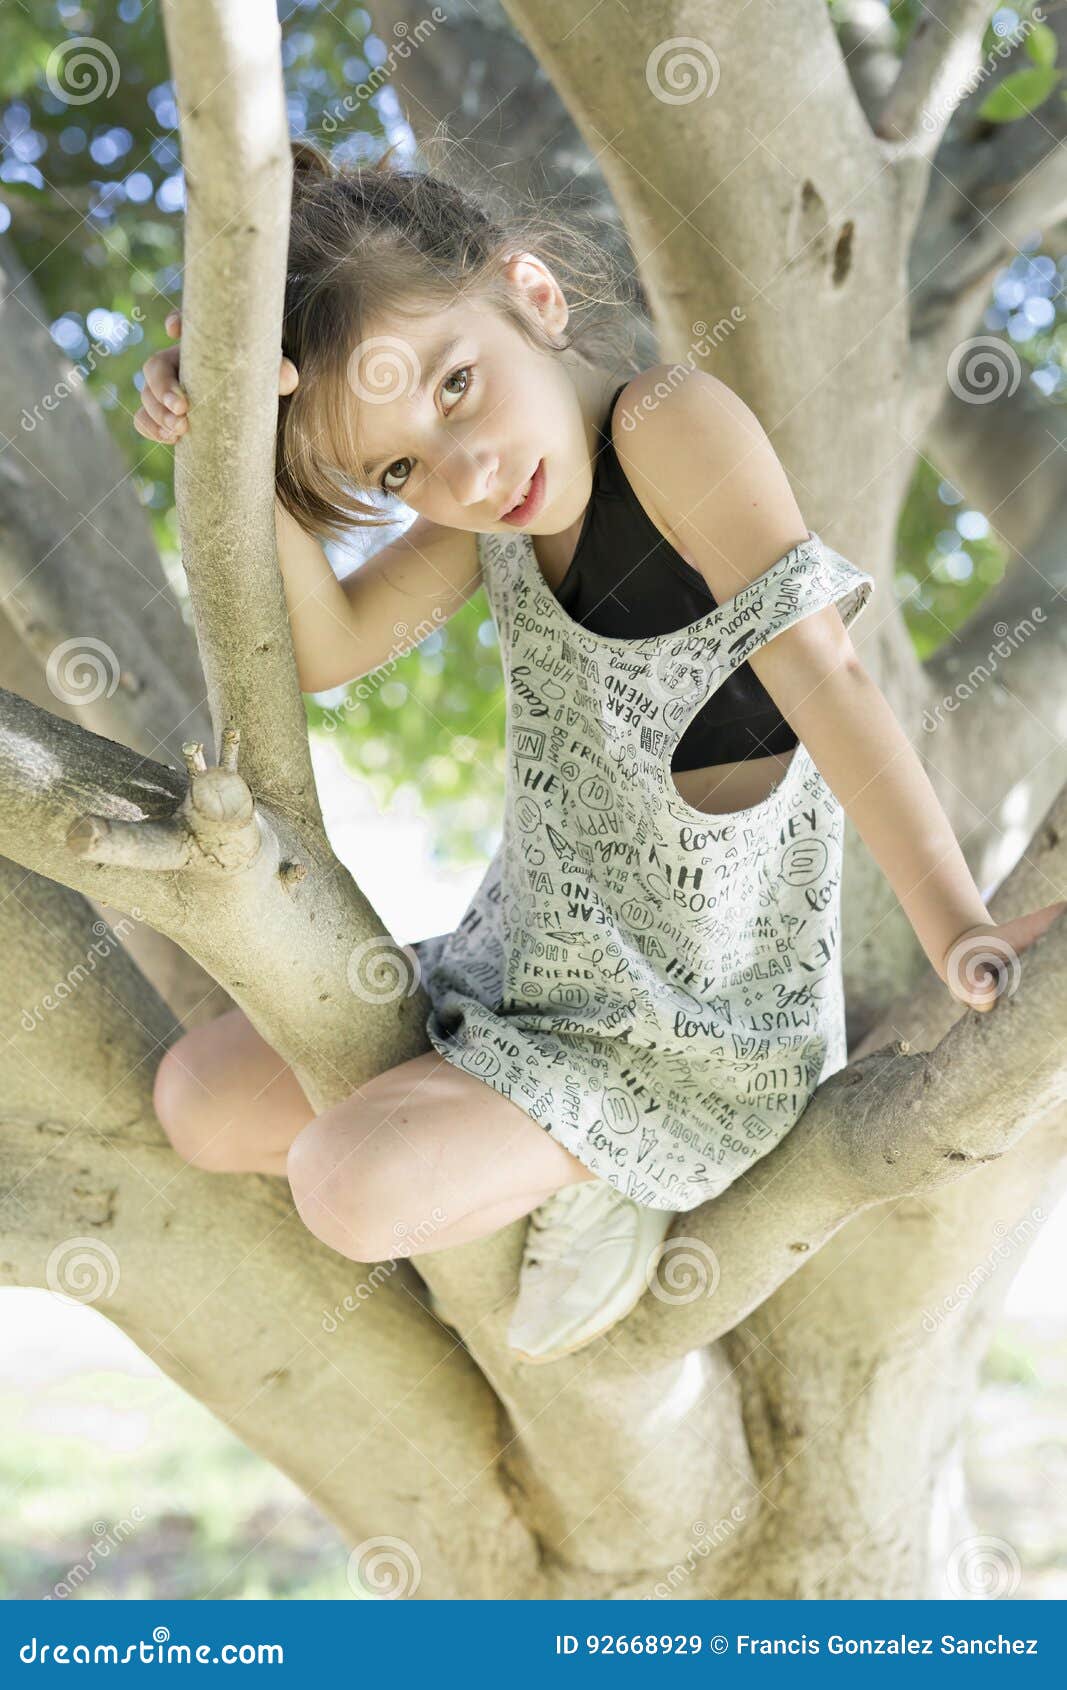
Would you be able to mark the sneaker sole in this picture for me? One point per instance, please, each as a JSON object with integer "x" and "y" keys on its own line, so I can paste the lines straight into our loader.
{"x": 587, "y": 1338}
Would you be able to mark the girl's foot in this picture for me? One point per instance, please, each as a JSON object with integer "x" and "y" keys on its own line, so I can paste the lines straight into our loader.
{"x": 585, "y": 1264}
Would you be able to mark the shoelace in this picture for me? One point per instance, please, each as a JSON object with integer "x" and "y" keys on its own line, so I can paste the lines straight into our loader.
{"x": 551, "y": 1235}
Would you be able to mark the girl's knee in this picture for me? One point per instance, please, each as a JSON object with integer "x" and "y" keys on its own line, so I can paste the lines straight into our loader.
{"x": 352, "y": 1201}
{"x": 179, "y": 1097}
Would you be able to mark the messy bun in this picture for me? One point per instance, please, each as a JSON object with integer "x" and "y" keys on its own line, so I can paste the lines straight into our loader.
{"x": 309, "y": 163}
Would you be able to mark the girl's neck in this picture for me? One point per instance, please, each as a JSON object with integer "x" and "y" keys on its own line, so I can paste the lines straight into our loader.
{"x": 594, "y": 387}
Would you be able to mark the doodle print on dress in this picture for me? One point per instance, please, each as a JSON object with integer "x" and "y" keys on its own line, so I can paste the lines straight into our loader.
{"x": 659, "y": 987}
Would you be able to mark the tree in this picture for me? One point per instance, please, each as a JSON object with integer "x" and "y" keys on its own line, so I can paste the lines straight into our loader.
{"x": 746, "y": 1431}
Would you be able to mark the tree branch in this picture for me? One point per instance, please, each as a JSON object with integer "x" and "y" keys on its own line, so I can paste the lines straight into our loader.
{"x": 332, "y": 1371}
{"x": 988, "y": 193}
{"x": 236, "y": 905}
{"x": 939, "y": 63}
{"x": 892, "y": 1123}
{"x": 80, "y": 576}
{"x": 226, "y": 64}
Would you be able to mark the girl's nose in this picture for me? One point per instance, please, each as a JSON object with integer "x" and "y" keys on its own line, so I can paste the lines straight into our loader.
{"x": 469, "y": 476}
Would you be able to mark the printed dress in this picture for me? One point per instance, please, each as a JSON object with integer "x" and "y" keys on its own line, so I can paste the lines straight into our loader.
{"x": 658, "y": 987}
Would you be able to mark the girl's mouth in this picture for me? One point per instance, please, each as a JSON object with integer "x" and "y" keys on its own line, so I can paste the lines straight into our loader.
{"x": 528, "y": 507}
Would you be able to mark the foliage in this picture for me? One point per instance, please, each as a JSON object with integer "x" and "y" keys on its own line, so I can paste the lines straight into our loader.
{"x": 91, "y": 185}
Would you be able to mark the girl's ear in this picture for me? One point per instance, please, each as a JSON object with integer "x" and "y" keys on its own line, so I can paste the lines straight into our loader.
{"x": 539, "y": 288}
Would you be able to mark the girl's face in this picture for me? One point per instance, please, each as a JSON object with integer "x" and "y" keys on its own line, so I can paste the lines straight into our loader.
{"x": 456, "y": 411}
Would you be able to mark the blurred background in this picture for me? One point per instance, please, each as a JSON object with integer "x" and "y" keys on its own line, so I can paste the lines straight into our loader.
{"x": 112, "y": 1481}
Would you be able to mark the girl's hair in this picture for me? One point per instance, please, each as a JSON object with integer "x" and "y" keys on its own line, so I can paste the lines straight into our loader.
{"x": 370, "y": 243}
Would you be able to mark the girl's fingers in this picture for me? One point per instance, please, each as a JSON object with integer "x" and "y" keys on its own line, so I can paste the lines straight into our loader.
{"x": 155, "y": 408}
{"x": 156, "y": 423}
{"x": 145, "y": 425}
{"x": 161, "y": 378}
{"x": 168, "y": 423}
{"x": 172, "y": 322}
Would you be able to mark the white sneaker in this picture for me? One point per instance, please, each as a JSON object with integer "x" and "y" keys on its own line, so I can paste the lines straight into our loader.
{"x": 583, "y": 1267}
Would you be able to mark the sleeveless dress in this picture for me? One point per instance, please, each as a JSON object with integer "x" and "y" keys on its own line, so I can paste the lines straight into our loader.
{"x": 659, "y": 988}
{"x": 626, "y": 578}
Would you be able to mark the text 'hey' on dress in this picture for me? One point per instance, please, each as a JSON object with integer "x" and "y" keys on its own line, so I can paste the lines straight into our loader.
{"x": 660, "y": 988}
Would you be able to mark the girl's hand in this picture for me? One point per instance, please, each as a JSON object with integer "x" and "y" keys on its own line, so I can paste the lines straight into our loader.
{"x": 162, "y": 415}
{"x": 983, "y": 963}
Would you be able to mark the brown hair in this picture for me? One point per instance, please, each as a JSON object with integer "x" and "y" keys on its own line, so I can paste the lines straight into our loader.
{"x": 370, "y": 242}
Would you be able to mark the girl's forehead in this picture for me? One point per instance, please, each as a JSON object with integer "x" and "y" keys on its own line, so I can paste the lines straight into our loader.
{"x": 421, "y": 327}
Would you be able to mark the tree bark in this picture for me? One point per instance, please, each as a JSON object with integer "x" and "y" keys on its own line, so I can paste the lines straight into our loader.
{"x": 747, "y": 1431}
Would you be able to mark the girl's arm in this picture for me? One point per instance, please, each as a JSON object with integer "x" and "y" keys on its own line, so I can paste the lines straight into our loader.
{"x": 341, "y": 630}
{"x": 701, "y": 456}
{"x": 866, "y": 759}
{"x": 405, "y": 590}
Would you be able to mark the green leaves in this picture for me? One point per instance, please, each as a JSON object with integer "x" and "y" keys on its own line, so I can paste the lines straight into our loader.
{"x": 1022, "y": 91}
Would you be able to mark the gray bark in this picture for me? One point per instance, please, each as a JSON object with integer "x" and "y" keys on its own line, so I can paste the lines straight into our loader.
{"x": 754, "y": 1440}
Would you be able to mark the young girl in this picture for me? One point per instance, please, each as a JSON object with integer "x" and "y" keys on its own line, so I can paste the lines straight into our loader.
{"x": 646, "y": 988}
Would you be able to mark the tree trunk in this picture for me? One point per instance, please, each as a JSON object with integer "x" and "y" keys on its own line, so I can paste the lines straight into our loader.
{"x": 748, "y": 1434}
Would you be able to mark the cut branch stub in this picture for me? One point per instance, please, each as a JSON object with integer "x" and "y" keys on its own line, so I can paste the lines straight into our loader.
{"x": 216, "y": 829}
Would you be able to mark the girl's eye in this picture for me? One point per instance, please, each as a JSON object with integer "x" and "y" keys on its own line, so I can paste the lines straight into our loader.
{"x": 466, "y": 372}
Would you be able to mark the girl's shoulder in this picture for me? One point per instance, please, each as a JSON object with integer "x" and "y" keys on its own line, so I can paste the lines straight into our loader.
{"x": 671, "y": 398}
{"x": 703, "y": 466}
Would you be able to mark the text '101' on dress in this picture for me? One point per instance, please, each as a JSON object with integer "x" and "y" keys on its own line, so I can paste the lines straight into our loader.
{"x": 660, "y": 988}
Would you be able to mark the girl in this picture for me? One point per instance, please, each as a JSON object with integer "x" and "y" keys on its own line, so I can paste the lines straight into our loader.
{"x": 646, "y": 988}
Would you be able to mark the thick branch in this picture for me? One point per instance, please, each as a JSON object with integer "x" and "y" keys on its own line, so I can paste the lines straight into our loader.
{"x": 683, "y": 167}
{"x": 80, "y": 576}
{"x": 988, "y": 193}
{"x": 891, "y": 1124}
{"x": 995, "y": 726}
{"x": 868, "y": 43}
{"x": 939, "y": 63}
{"x": 330, "y": 1369}
{"x": 262, "y": 904}
{"x": 227, "y": 65}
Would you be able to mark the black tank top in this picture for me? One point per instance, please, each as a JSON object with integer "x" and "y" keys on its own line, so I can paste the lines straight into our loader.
{"x": 625, "y": 580}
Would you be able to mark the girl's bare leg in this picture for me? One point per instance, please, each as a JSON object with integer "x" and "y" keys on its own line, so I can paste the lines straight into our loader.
{"x": 422, "y": 1157}
{"x": 227, "y": 1101}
